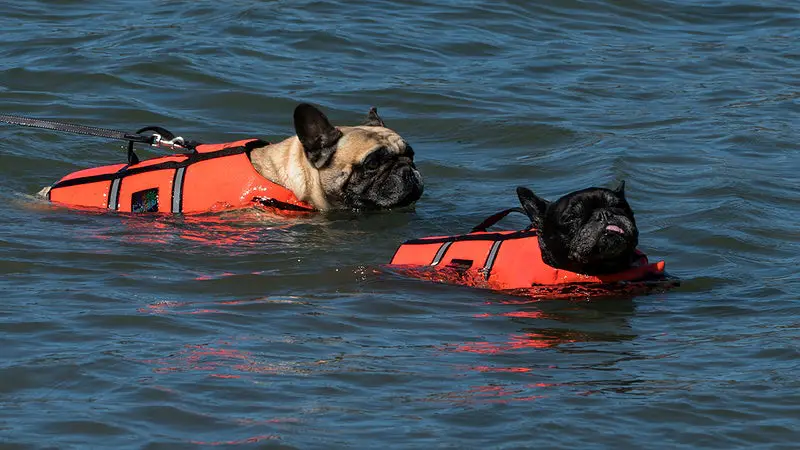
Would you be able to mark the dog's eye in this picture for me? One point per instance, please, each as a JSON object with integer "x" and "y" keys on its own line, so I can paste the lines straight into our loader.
{"x": 373, "y": 162}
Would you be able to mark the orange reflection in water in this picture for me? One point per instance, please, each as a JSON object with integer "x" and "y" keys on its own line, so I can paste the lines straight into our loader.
{"x": 517, "y": 314}
{"x": 223, "y": 363}
{"x": 520, "y": 340}
{"x": 235, "y": 227}
{"x": 498, "y": 394}
{"x": 541, "y": 326}
{"x": 516, "y": 341}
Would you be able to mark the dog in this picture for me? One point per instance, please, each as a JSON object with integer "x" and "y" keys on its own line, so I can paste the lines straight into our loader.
{"x": 591, "y": 231}
{"x": 364, "y": 167}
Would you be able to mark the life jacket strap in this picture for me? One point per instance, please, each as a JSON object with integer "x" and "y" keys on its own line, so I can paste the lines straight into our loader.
{"x": 497, "y": 217}
{"x": 493, "y": 236}
{"x": 283, "y": 206}
{"x": 191, "y": 158}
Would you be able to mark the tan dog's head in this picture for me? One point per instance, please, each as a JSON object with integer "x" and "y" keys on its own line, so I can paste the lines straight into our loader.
{"x": 362, "y": 167}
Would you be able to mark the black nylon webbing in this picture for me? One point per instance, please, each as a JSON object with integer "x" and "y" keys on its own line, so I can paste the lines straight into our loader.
{"x": 494, "y": 218}
{"x": 474, "y": 237}
{"x": 190, "y": 159}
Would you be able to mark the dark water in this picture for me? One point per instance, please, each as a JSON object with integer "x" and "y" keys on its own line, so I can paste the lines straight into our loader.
{"x": 241, "y": 331}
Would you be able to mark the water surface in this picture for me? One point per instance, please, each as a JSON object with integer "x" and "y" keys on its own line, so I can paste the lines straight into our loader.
{"x": 240, "y": 330}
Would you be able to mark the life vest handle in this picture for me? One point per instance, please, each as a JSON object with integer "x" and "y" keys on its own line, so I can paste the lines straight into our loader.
{"x": 161, "y": 138}
{"x": 497, "y": 217}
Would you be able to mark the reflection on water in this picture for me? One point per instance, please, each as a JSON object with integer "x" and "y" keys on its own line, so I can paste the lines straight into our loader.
{"x": 536, "y": 330}
{"x": 570, "y": 317}
{"x": 222, "y": 360}
{"x": 235, "y": 230}
{"x": 215, "y": 307}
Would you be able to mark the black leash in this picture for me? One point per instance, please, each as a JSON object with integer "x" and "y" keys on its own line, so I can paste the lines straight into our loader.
{"x": 160, "y": 137}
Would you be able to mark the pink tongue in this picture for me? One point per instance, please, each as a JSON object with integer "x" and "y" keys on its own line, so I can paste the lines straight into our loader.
{"x": 615, "y": 229}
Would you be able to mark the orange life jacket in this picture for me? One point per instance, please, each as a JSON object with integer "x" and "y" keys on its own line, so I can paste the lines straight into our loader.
{"x": 214, "y": 177}
{"x": 499, "y": 260}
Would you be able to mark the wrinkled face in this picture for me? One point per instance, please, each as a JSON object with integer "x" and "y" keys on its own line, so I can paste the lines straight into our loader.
{"x": 363, "y": 167}
{"x": 372, "y": 168}
{"x": 591, "y": 229}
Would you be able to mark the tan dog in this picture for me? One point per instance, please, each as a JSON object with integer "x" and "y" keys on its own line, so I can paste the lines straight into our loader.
{"x": 361, "y": 167}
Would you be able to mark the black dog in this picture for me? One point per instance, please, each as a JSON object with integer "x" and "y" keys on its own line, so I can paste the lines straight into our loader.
{"x": 591, "y": 231}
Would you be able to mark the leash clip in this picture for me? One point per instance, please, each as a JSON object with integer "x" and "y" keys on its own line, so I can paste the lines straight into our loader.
{"x": 177, "y": 142}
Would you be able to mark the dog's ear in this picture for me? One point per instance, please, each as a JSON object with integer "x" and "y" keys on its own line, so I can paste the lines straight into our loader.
{"x": 533, "y": 205}
{"x": 373, "y": 119}
{"x": 316, "y": 133}
{"x": 620, "y": 189}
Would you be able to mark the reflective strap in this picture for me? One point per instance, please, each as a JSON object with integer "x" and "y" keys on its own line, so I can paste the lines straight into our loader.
{"x": 113, "y": 194}
{"x": 440, "y": 253}
{"x": 487, "y": 267}
{"x": 177, "y": 190}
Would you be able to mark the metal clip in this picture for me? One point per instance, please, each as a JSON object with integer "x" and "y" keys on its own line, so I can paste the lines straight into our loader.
{"x": 177, "y": 142}
{"x": 158, "y": 141}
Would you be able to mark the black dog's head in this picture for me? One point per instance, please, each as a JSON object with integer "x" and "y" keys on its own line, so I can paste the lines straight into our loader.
{"x": 591, "y": 231}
